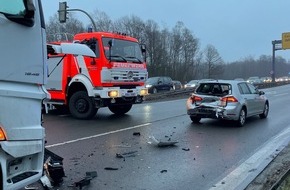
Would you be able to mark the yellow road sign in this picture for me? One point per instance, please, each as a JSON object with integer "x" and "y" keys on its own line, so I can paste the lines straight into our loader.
{"x": 286, "y": 40}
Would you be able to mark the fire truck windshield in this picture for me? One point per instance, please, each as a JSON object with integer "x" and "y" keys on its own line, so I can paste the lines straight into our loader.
{"x": 122, "y": 50}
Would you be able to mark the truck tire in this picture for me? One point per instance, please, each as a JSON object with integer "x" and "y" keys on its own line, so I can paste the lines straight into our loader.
{"x": 81, "y": 106}
{"x": 120, "y": 109}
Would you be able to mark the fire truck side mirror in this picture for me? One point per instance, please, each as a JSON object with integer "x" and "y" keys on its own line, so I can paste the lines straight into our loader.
{"x": 62, "y": 12}
{"x": 143, "y": 48}
{"x": 110, "y": 43}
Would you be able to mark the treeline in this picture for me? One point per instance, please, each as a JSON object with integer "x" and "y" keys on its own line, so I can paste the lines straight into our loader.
{"x": 172, "y": 52}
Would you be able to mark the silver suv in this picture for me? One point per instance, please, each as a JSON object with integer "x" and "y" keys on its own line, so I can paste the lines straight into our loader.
{"x": 227, "y": 99}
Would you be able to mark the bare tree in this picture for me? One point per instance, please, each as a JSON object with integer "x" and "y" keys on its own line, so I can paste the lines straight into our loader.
{"x": 189, "y": 65}
{"x": 132, "y": 26}
{"x": 213, "y": 62}
{"x": 153, "y": 42}
{"x": 57, "y": 31}
{"x": 102, "y": 21}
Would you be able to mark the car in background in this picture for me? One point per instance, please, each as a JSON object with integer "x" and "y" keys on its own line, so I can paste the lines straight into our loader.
{"x": 283, "y": 79}
{"x": 177, "y": 85}
{"x": 191, "y": 84}
{"x": 266, "y": 79}
{"x": 239, "y": 79}
{"x": 159, "y": 84}
{"x": 254, "y": 80}
{"x": 227, "y": 100}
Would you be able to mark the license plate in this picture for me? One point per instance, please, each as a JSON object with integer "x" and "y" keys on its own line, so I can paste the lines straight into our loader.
{"x": 205, "y": 110}
{"x": 130, "y": 94}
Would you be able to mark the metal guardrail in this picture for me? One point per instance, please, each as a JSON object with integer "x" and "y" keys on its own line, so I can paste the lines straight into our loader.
{"x": 187, "y": 92}
{"x": 271, "y": 84}
{"x": 172, "y": 93}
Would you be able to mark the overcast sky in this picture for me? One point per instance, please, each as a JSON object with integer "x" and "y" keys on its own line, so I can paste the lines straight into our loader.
{"x": 237, "y": 28}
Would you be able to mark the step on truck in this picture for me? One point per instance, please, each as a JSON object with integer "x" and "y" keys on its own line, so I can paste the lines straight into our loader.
{"x": 23, "y": 74}
{"x": 114, "y": 77}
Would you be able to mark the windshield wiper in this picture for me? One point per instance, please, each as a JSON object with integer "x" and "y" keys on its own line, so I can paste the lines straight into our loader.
{"x": 131, "y": 57}
{"x": 119, "y": 56}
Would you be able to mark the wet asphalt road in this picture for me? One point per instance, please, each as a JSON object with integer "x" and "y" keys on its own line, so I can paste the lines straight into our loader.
{"x": 205, "y": 153}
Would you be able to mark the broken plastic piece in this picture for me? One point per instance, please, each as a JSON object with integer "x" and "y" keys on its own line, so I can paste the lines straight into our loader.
{"x": 80, "y": 184}
{"x": 30, "y": 187}
{"x": 126, "y": 154}
{"x": 161, "y": 143}
{"x": 136, "y": 133}
{"x": 53, "y": 167}
{"x": 91, "y": 175}
{"x": 110, "y": 168}
{"x": 167, "y": 143}
{"x": 45, "y": 181}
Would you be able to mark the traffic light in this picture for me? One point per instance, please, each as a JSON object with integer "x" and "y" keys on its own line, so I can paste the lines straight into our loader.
{"x": 62, "y": 11}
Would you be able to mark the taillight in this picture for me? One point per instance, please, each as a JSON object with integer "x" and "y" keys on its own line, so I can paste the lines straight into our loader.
{"x": 227, "y": 99}
{"x": 195, "y": 99}
{"x": 2, "y": 135}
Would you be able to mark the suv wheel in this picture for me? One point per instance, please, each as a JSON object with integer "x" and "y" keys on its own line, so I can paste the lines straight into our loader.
{"x": 155, "y": 90}
{"x": 242, "y": 118}
{"x": 195, "y": 119}
{"x": 265, "y": 112}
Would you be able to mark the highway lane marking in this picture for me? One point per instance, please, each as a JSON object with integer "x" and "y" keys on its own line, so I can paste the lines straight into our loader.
{"x": 245, "y": 173}
{"x": 98, "y": 135}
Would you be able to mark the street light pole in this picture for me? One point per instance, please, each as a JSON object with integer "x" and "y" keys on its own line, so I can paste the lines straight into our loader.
{"x": 93, "y": 23}
{"x": 62, "y": 13}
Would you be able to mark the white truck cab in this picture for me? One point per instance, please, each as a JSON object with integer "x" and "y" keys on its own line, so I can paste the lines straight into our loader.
{"x": 23, "y": 75}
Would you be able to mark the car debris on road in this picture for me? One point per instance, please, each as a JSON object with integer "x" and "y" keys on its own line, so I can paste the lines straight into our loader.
{"x": 161, "y": 143}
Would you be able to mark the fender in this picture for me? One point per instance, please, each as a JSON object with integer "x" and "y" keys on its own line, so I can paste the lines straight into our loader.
{"x": 85, "y": 81}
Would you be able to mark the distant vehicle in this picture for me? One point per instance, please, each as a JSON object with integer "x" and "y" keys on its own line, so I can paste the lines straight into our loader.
{"x": 159, "y": 84}
{"x": 191, "y": 84}
{"x": 254, "y": 80}
{"x": 202, "y": 80}
{"x": 177, "y": 85}
{"x": 283, "y": 79}
{"x": 266, "y": 79}
{"x": 239, "y": 79}
{"x": 228, "y": 100}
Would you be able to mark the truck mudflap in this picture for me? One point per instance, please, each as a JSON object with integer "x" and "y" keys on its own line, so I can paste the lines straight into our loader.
{"x": 21, "y": 163}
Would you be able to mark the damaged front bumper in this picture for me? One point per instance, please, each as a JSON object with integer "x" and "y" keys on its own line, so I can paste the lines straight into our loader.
{"x": 21, "y": 162}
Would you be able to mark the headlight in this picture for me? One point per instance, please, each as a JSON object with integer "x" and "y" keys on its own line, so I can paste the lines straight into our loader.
{"x": 148, "y": 85}
{"x": 143, "y": 92}
{"x": 113, "y": 94}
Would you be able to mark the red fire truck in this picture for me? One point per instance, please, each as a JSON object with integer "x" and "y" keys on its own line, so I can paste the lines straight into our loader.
{"x": 114, "y": 77}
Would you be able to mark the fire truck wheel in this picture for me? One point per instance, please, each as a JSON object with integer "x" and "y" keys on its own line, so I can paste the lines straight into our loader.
{"x": 81, "y": 106}
{"x": 120, "y": 109}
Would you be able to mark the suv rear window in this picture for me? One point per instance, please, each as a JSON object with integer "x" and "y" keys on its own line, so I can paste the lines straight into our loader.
{"x": 217, "y": 89}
